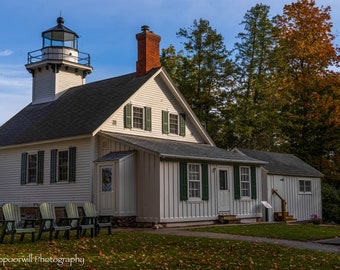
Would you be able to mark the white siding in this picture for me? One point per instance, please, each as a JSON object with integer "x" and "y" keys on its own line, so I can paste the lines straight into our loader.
{"x": 48, "y": 85}
{"x": 56, "y": 193}
{"x": 153, "y": 94}
{"x": 301, "y": 206}
{"x": 67, "y": 79}
{"x": 174, "y": 210}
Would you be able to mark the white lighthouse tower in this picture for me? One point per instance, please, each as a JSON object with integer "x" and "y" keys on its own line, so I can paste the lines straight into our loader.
{"x": 58, "y": 65}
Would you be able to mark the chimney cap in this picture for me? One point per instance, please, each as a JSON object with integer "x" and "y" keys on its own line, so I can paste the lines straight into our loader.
{"x": 145, "y": 28}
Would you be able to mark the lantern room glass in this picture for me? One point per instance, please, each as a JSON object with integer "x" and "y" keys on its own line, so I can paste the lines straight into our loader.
{"x": 60, "y": 39}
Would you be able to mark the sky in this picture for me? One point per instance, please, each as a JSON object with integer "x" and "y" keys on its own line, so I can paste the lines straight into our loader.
{"x": 107, "y": 31}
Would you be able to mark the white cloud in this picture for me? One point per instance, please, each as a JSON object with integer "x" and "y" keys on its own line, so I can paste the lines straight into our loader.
{"x": 6, "y": 53}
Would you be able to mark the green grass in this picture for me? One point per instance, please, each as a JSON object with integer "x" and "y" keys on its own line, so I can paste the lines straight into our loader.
{"x": 300, "y": 232}
{"x": 136, "y": 250}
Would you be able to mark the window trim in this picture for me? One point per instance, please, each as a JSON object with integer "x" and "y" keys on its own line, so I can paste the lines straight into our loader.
{"x": 181, "y": 123}
{"x": 248, "y": 182}
{"x": 133, "y": 117}
{"x": 28, "y": 169}
{"x": 67, "y": 167}
{"x": 173, "y": 124}
{"x": 199, "y": 197}
{"x": 304, "y": 191}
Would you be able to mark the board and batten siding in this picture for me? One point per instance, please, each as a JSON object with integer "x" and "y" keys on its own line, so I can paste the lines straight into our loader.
{"x": 57, "y": 193}
{"x": 153, "y": 94}
{"x": 172, "y": 209}
{"x": 300, "y": 205}
{"x": 147, "y": 179}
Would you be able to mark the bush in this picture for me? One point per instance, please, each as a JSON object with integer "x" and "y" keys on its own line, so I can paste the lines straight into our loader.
{"x": 330, "y": 203}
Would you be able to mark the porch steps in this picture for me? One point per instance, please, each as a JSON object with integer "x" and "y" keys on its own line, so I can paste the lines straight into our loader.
{"x": 288, "y": 218}
{"x": 229, "y": 219}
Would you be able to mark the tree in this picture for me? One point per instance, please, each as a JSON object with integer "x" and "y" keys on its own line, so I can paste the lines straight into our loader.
{"x": 254, "y": 113}
{"x": 306, "y": 43}
{"x": 201, "y": 72}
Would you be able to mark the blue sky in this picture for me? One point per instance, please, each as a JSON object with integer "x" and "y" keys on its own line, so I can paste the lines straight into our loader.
{"x": 107, "y": 30}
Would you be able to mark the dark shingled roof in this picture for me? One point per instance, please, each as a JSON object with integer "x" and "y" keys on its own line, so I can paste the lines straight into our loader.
{"x": 285, "y": 164}
{"x": 112, "y": 156}
{"x": 178, "y": 149}
{"x": 80, "y": 111}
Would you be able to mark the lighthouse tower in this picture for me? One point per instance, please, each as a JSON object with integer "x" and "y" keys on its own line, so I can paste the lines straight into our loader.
{"x": 58, "y": 65}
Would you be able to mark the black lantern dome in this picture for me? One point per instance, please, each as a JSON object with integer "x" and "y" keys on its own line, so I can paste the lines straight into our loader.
{"x": 60, "y": 36}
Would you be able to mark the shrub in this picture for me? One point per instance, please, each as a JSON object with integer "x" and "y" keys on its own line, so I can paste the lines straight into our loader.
{"x": 330, "y": 203}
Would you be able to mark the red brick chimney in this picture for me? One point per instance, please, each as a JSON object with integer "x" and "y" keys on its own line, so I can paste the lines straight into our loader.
{"x": 148, "y": 51}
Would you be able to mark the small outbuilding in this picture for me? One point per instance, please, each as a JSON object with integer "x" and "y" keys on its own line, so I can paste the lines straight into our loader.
{"x": 291, "y": 187}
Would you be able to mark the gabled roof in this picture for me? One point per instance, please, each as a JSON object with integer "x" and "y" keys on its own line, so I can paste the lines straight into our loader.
{"x": 80, "y": 111}
{"x": 283, "y": 164}
{"x": 181, "y": 150}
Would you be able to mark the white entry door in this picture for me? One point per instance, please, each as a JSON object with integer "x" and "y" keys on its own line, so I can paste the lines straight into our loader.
{"x": 106, "y": 189}
{"x": 223, "y": 182}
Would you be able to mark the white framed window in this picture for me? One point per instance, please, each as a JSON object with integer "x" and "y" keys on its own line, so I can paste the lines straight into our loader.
{"x": 245, "y": 186}
{"x": 194, "y": 181}
{"x": 138, "y": 117}
{"x": 305, "y": 186}
{"x": 32, "y": 168}
{"x": 63, "y": 165}
{"x": 173, "y": 123}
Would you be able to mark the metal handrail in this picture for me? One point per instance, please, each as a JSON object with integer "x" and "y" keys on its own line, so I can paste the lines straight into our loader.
{"x": 37, "y": 55}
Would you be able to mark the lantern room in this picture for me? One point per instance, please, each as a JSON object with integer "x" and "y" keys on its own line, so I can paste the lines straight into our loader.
{"x": 60, "y": 36}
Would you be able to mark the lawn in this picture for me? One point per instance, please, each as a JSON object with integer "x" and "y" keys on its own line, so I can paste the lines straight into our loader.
{"x": 137, "y": 250}
{"x": 300, "y": 232}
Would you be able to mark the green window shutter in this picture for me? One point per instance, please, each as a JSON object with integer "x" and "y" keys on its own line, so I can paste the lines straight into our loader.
{"x": 128, "y": 116}
{"x": 182, "y": 124}
{"x": 205, "y": 182}
{"x": 165, "y": 122}
{"x": 183, "y": 179}
{"x": 237, "y": 192}
{"x": 23, "y": 168}
{"x": 40, "y": 176}
{"x": 53, "y": 171}
{"x": 253, "y": 182}
{"x": 72, "y": 164}
{"x": 148, "y": 118}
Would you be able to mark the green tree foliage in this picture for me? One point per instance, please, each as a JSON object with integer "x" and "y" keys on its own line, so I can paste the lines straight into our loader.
{"x": 201, "y": 71}
{"x": 253, "y": 114}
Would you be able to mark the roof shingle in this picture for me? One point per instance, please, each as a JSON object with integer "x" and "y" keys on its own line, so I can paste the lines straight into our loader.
{"x": 80, "y": 111}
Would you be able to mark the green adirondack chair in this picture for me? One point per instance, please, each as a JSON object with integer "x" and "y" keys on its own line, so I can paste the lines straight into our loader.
{"x": 101, "y": 221}
{"x": 49, "y": 222}
{"x": 13, "y": 223}
{"x": 81, "y": 224}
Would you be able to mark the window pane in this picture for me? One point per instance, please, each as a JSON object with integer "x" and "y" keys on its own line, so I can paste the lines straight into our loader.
{"x": 223, "y": 180}
{"x": 301, "y": 186}
{"x": 194, "y": 180}
{"x": 63, "y": 166}
{"x": 308, "y": 186}
{"x": 32, "y": 169}
{"x": 173, "y": 123}
{"x": 138, "y": 117}
{"x": 245, "y": 181}
{"x": 106, "y": 179}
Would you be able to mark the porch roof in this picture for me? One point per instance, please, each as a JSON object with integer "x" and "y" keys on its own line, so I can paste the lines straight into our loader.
{"x": 172, "y": 149}
{"x": 113, "y": 156}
